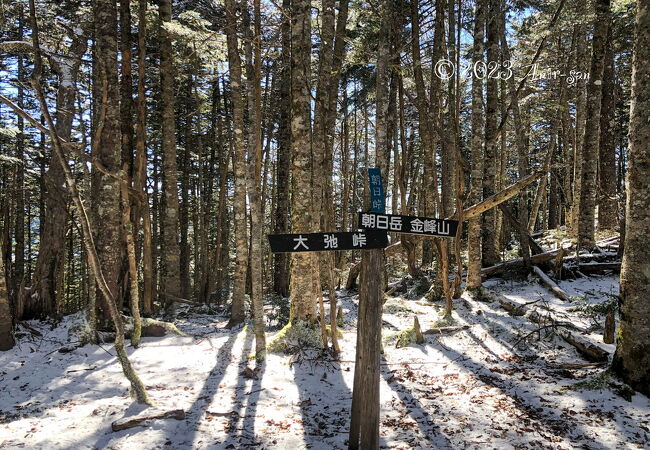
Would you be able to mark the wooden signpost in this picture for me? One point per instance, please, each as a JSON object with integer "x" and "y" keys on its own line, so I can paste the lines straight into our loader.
{"x": 364, "y": 416}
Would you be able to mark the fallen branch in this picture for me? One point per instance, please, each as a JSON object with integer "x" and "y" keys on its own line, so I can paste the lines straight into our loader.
{"x": 550, "y": 284}
{"x": 29, "y": 328}
{"x": 513, "y": 308}
{"x": 535, "y": 248}
{"x": 588, "y": 349}
{"x": 145, "y": 418}
{"x": 499, "y": 197}
{"x": 488, "y": 272}
{"x": 81, "y": 370}
{"x": 580, "y": 365}
{"x": 444, "y": 330}
{"x": 177, "y": 299}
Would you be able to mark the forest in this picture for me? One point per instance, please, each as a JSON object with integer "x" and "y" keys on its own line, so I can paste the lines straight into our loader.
{"x": 324, "y": 224}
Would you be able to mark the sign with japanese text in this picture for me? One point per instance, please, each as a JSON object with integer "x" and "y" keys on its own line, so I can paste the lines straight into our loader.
{"x": 378, "y": 203}
{"x": 316, "y": 242}
{"x": 408, "y": 224}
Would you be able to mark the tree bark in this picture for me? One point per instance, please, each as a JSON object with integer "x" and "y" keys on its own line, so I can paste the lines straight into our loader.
{"x": 478, "y": 131}
{"x": 107, "y": 149}
{"x": 6, "y": 319}
{"x": 490, "y": 251}
{"x": 281, "y": 260}
{"x": 632, "y": 358}
{"x": 607, "y": 201}
{"x": 170, "y": 276}
{"x": 254, "y": 180}
{"x": 239, "y": 155}
{"x": 140, "y": 170}
{"x": 303, "y": 220}
{"x": 586, "y": 226}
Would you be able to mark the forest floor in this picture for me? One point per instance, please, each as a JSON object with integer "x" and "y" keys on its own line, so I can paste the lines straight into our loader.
{"x": 466, "y": 389}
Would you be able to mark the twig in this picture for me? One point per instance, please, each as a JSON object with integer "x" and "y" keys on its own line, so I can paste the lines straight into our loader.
{"x": 81, "y": 370}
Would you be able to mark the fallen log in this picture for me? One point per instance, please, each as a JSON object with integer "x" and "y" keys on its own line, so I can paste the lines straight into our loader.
{"x": 550, "y": 284}
{"x": 144, "y": 418}
{"x": 592, "y": 352}
{"x": 599, "y": 267}
{"x": 488, "y": 272}
{"x": 541, "y": 258}
{"x": 588, "y": 349}
{"x": 513, "y": 308}
{"x": 152, "y": 327}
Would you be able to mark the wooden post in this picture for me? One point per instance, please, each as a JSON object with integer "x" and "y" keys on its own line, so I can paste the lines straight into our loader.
{"x": 364, "y": 416}
{"x": 364, "y": 421}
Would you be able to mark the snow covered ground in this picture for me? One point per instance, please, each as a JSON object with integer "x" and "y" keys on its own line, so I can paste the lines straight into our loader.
{"x": 467, "y": 389}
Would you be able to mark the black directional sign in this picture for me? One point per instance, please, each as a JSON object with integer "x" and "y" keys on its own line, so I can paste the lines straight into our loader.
{"x": 316, "y": 242}
{"x": 408, "y": 224}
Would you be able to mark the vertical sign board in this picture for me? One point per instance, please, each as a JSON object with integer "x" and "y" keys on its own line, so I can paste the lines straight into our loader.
{"x": 377, "y": 202}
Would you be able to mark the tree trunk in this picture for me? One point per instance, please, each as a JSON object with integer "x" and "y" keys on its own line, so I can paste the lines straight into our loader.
{"x": 239, "y": 155}
{"x": 6, "y": 320}
{"x": 107, "y": 149}
{"x": 579, "y": 129}
{"x": 106, "y": 39}
{"x": 607, "y": 201}
{"x": 478, "y": 132}
{"x": 632, "y": 357}
{"x": 19, "y": 224}
{"x": 590, "y": 142}
{"x": 170, "y": 276}
{"x": 303, "y": 297}
{"x": 253, "y": 181}
{"x": 52, "y": 234}
{"x": 140, "y": 170}
{"x": 281, "y": 260}
{"x": 490, "y": 252}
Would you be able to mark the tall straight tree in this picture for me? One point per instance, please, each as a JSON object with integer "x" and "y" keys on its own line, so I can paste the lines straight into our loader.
{"x": 490, "y": 252}
{"x": 140, "y": 169}
{"x": 254, "y": 178}
{"x": 303, "y": 297}
{"x": 170, "y": 277}
{"x": 607, "y": 202}
{"x": 281, "y": 260}
{"x": 238, "y": 159}
{"x": 107, "y": 147}
{"x": 587, "y": 210}
{"x": 632, "y": 357}
{"x": 478, "y": 132}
